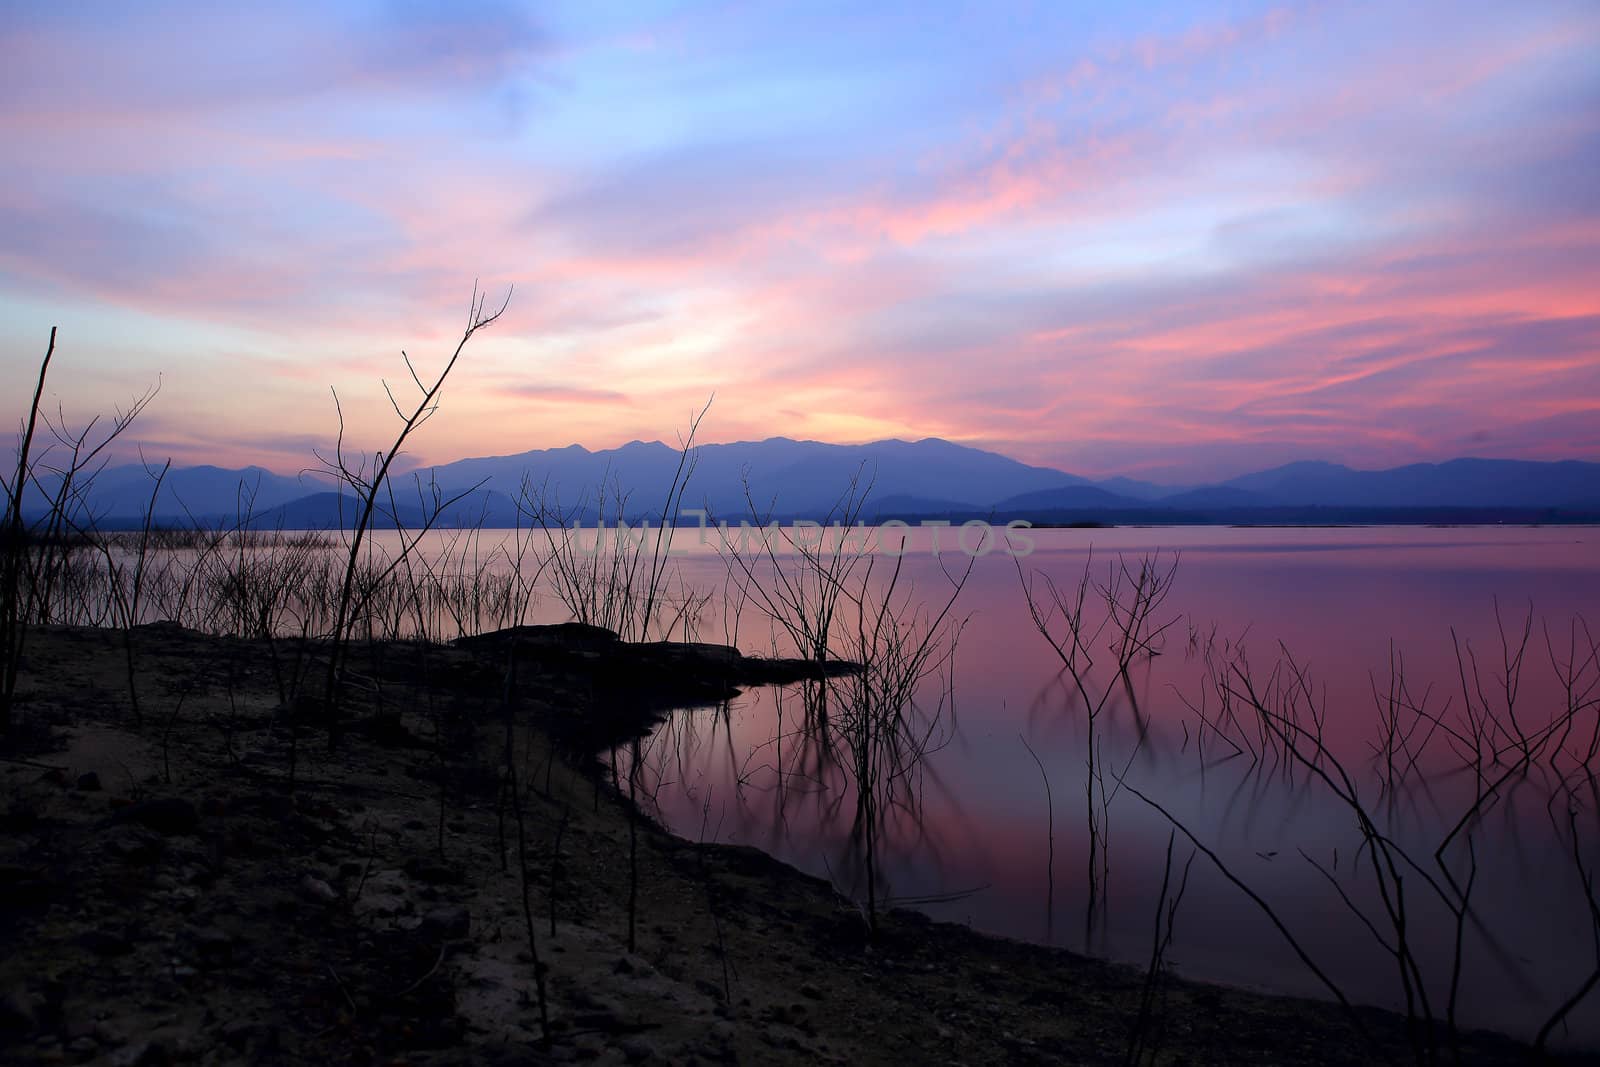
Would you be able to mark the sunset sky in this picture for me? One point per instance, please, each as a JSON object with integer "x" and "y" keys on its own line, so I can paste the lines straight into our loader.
{"x": 1175, "y": 241}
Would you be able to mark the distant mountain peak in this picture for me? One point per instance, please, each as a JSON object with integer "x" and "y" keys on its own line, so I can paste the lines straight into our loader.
{"x": 1465, "y": 482}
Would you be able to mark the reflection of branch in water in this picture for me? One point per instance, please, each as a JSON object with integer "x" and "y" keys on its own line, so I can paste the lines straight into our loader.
{"x": 1505, "y": 753}
{"x": 1266, "y": 909}
{"x": 766, "y": 792}
{"x": 1119, "y": 611}
{"x": 1050, "y": 838}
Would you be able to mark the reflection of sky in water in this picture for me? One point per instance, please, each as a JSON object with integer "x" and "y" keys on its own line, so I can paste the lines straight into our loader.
{"x": 1336, "y": 598}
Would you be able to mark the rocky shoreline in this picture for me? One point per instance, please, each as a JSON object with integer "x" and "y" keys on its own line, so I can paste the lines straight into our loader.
{"x": 170, "y": 899}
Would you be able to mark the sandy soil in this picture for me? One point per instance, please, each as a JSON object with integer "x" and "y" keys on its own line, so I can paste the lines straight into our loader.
{"x": 168, "y": 898}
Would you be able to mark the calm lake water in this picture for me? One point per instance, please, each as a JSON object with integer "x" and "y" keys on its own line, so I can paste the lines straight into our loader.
{"x": 976, "y": 846}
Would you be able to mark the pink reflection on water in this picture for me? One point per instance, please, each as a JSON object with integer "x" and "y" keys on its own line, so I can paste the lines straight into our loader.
{"x": 976, "y": 844}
